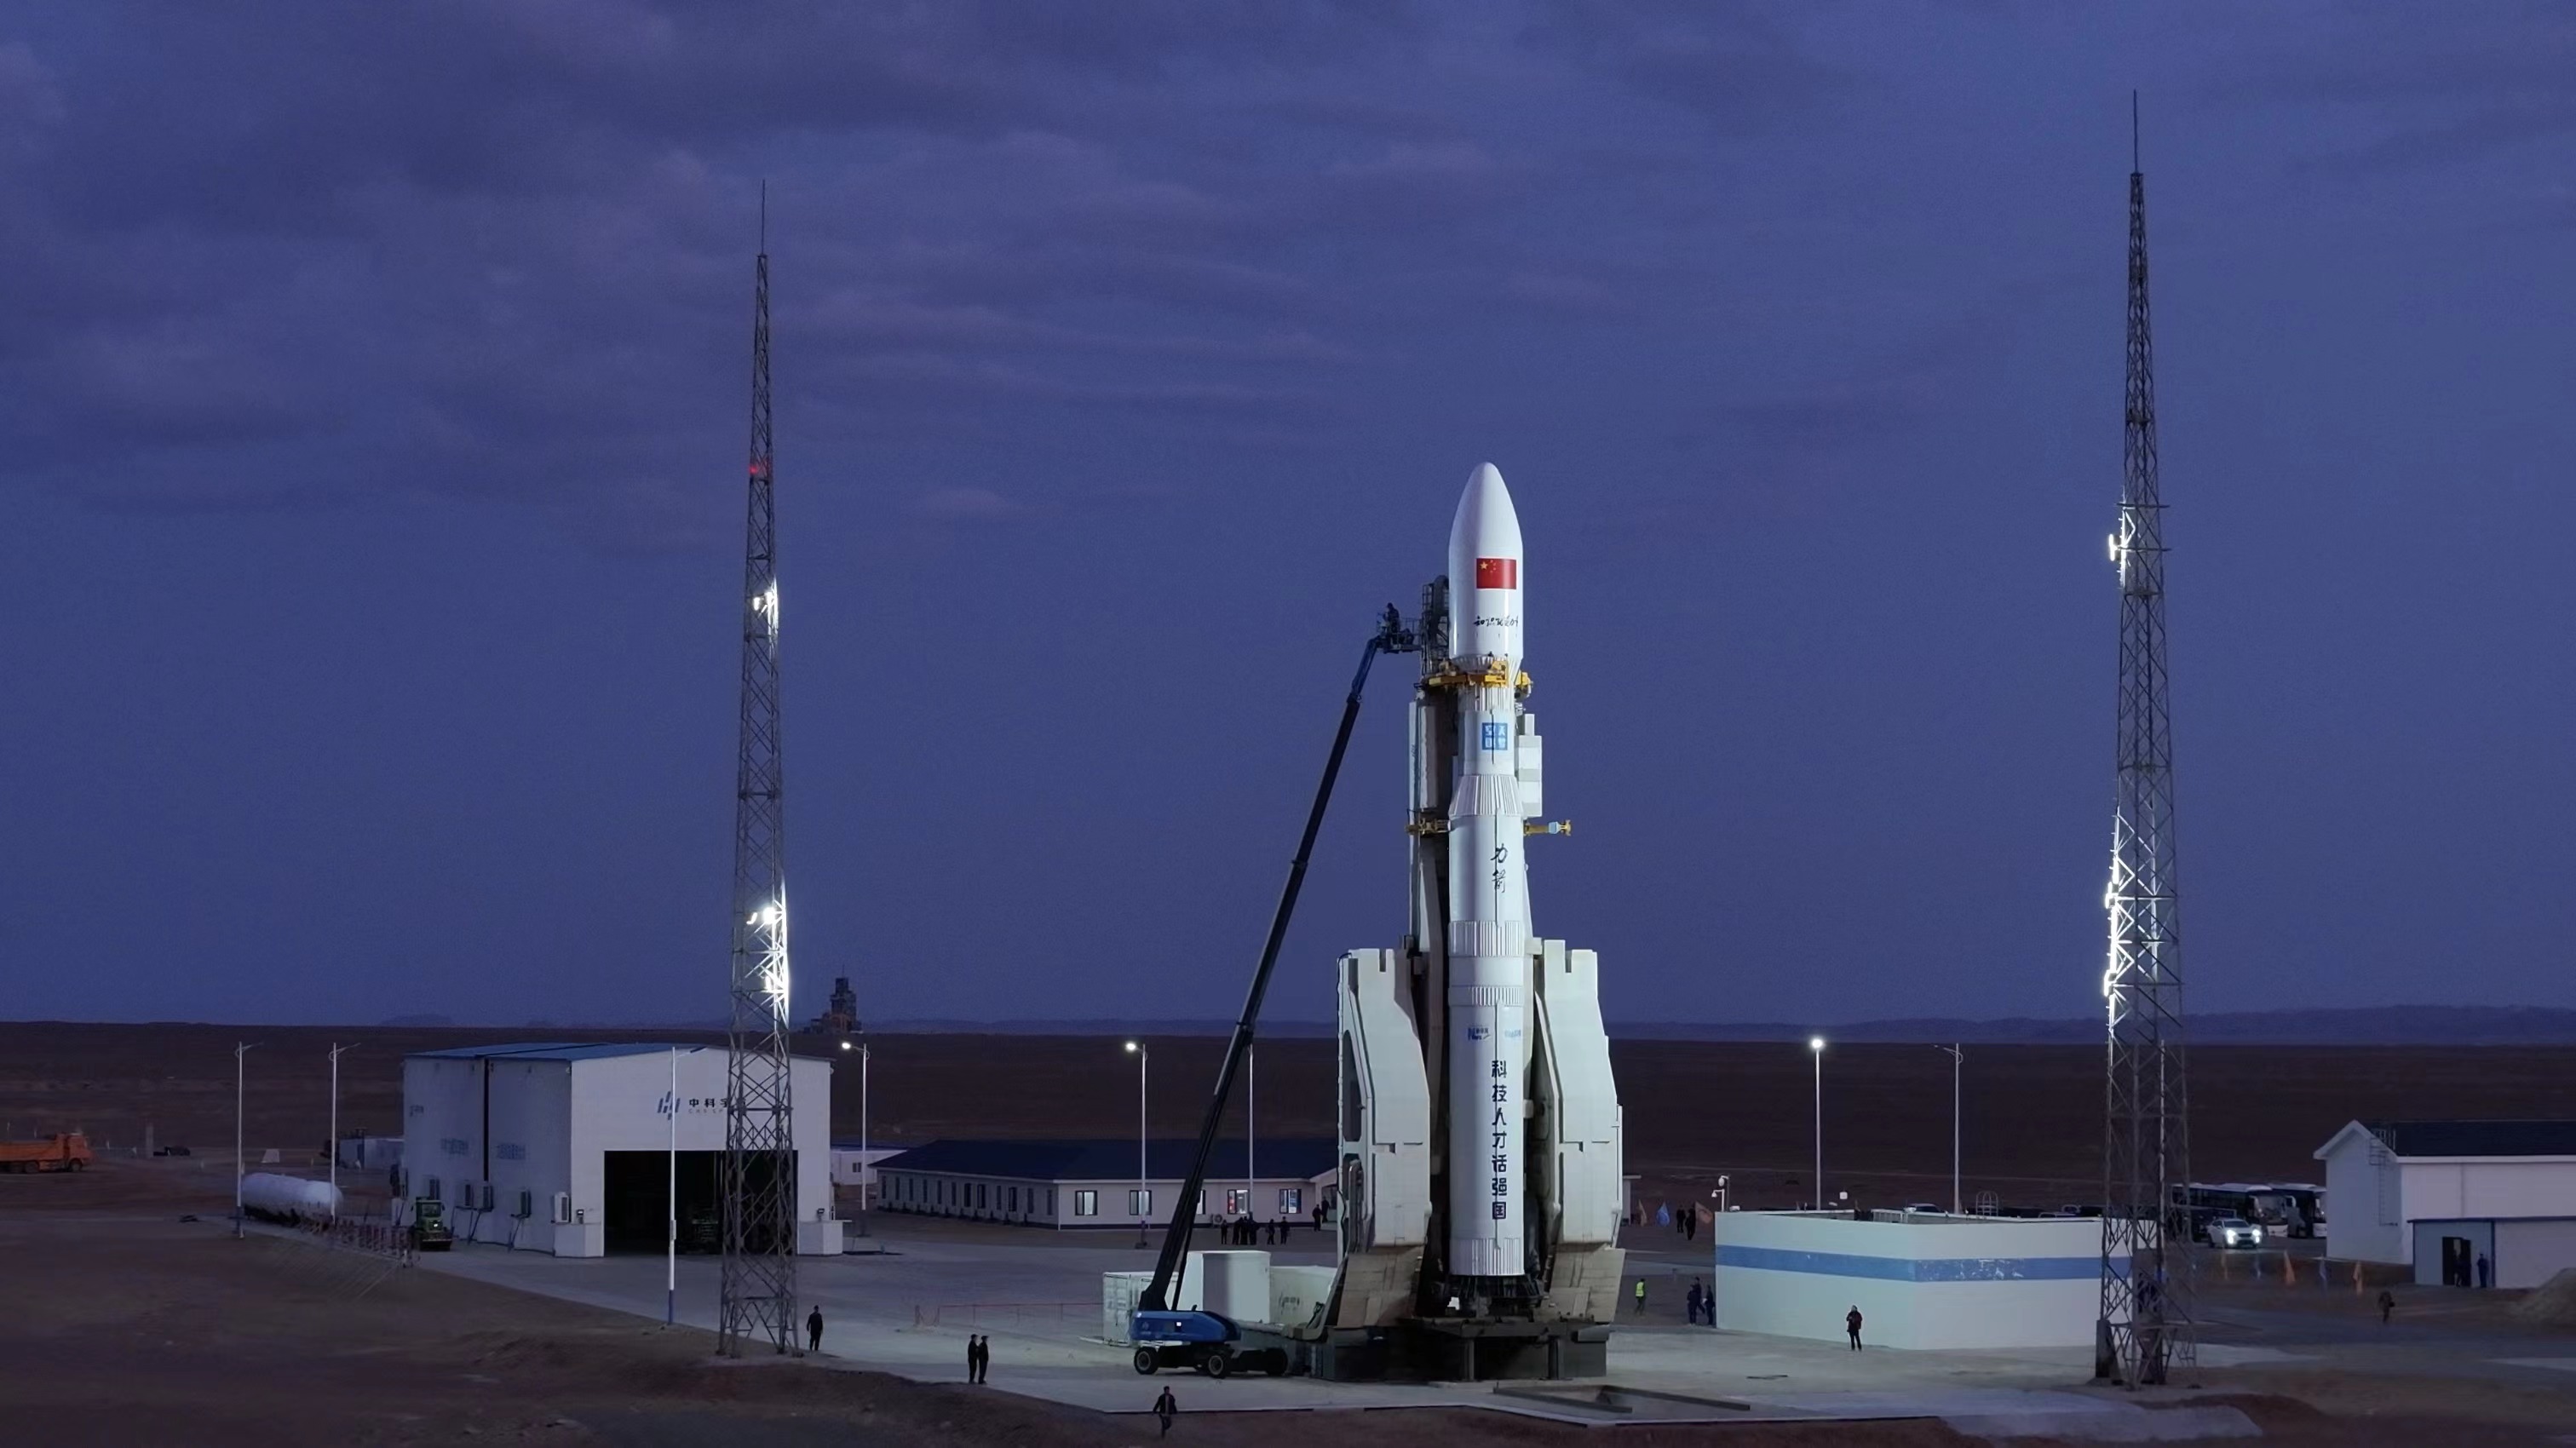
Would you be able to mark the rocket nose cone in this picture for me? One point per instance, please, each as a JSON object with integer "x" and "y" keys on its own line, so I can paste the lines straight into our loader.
{"x": 1487, "y": 525}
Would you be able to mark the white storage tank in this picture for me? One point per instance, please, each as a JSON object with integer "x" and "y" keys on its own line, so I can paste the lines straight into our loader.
{"x": 276, "y": 1198}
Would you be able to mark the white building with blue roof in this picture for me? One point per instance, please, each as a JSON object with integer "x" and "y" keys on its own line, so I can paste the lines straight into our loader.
{"x": 572, "y": 1147}
{"x": 1109, "y": 1182}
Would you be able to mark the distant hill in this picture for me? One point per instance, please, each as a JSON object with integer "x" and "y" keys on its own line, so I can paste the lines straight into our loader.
{"x": 2354, "y": 1026}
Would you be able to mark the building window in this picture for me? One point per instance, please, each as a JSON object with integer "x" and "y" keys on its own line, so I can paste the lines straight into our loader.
{"x": 1086, "y": 1203}
{"x": 1291, "y": 1201}
{"x": 1140, "y": 1201}
{"x": 1238, "y": 1200}
{"x": 1050, "y": 1201}
{"x": 981, "y": 1200}
{"x": 1015, "y": 1199}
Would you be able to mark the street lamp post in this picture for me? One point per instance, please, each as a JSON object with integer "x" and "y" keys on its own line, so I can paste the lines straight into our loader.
{"x": 671, "y": 1201}
{"x": 240, "y": 1050}
{"x": 1247, "y": 1129}
{"x": 1958, "y": 1059}
{"x": 336, "y": 1049}
{"x": 1137, "y": 1049}
{"x": 1816, "y": 1048}
{"x": 865, "y": 1171}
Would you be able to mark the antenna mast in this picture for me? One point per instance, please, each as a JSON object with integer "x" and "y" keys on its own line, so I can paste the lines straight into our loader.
{"x": 759, "y": 1283}
{"x": 2146, "y": 1324}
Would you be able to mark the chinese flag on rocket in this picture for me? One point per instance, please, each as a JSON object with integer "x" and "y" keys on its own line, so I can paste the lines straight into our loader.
{"x": 1498, "y": 573}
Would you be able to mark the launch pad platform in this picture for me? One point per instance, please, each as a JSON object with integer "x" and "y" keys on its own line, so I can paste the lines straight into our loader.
{"x": 1463, "y": 1350}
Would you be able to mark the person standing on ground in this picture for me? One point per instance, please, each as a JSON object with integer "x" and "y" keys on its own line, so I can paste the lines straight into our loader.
{"x": 2482, "y": 1269}
{"x": 1164, "y": 1408}
{"x": 1641, "y": 1297}
{"x": 814, "y": 1330}
{"x": 974, "y": 1358}
{"x": 1707, "y": 1303}
{"x": 1851, "y": 1325}
{"x": 2387, "y": 1305}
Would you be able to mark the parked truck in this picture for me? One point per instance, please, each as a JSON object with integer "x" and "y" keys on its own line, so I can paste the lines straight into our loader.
{"x": 62, "y": 1151}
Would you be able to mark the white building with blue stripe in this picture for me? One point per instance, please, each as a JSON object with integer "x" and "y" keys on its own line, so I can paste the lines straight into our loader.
{"x": 1920, "y": 1280}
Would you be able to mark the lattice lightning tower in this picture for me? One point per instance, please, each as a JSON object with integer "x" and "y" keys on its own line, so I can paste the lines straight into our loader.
{"x": 2146, "y": 1324}
{"x": 759, "y": 1285}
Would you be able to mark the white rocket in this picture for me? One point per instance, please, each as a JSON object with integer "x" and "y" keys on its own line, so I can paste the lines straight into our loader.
{"x": 1489, "y": 917}
{"x": 1481, "y": 1137}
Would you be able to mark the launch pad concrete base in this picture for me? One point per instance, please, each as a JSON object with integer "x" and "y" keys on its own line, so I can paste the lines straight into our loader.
{"x": 1034, "y": 1297}
{"x": 1460, "y": 1350}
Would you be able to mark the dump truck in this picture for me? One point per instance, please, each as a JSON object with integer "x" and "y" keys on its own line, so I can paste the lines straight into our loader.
{"x": 62, "y": 1151}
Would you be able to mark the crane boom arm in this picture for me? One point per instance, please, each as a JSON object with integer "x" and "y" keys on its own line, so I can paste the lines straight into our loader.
{"x": 1391, "y": 637}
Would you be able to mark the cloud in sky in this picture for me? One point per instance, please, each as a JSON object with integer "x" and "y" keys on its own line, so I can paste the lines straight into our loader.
{"x": 1139, "y": 347}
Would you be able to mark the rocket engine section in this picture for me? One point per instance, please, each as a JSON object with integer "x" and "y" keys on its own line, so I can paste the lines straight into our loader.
{"x": 1480, "y": 1124}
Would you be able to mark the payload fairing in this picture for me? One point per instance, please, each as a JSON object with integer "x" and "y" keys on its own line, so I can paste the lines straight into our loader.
{"x": 1481, "y": 1168}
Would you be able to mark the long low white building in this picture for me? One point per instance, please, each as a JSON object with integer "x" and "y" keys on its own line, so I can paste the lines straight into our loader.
{"x": 568, "y": 1147}
{"x": 1106, "y": 1183}
{"x": 2449, "y": 1195}
{"x": 1920, "y": 1281}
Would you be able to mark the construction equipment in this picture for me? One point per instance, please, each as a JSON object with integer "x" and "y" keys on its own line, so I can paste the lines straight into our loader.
{"x": 429, "y": 1229}
{"x": 62, "y": 1151}
{"x": 1211, "y": 1343}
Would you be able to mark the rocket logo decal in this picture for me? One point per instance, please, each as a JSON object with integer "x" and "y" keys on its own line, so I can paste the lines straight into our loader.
{"x": 1498, "y": 573}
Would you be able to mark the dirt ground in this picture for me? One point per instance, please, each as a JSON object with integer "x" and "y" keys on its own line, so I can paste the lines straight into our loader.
{"x": 128, "y": 1326}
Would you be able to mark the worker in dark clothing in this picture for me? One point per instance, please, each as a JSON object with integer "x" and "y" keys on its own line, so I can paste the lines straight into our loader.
{"x": 1851, "y": 1325}
{"x": 2387, "y": 1305}
{"x": 1690, "y": 1304}
{"x": 1164, "y": 1408}
{"x": 814, "y": 1330}
{"x": 2482, "y": 1269}
{"x": 974, "y": 1359}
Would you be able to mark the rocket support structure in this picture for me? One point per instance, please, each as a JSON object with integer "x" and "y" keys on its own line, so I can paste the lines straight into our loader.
{"x": 1481, "y": 1156}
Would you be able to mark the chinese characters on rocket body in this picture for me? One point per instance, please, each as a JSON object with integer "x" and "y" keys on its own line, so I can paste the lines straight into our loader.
{"x": 1489, "y": 918}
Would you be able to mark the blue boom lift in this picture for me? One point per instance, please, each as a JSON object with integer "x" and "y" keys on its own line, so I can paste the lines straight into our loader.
{"x": 1166, "y": 1337}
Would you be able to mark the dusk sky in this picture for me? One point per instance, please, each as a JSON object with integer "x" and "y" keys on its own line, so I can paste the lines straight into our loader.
{"x": 373, "y": 385}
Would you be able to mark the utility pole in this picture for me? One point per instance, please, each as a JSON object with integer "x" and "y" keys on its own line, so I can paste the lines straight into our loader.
{"x": 241, "y": 1049}
{"x": 1143, "y": 1210}
{"x": 1958, "y": 1058}
{"x": 336, "y": 1049}
{"x": 758, "y": 1294}
{"x": 2145, "y": 1328}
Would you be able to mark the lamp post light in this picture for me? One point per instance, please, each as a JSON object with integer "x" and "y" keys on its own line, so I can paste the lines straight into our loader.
{"x": 336, "y": 1049}
{"x": 1816, "y": 1048}
{"x": 865, "y": 1171}
{"x": 671, "y": 1201}
{"x": 240, "y": 1050}
{"x": 1137, "y": 1049}
{"x": 1958, "y": 1059}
